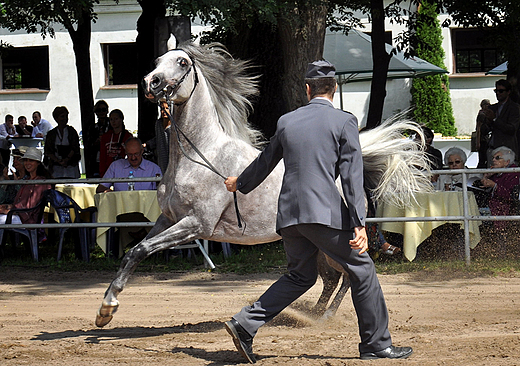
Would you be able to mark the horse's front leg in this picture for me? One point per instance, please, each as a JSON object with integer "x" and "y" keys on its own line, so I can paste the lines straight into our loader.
{"x": 163, "y": 235}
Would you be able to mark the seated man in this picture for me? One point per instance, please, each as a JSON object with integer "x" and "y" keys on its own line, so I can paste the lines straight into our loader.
{"x": 121, "y": 168}
{"x": 135, "y": 163}
{"x": 22, "y": 129}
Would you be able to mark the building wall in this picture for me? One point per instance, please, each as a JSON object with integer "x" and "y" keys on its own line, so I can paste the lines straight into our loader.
{"x": 110, "y": 27}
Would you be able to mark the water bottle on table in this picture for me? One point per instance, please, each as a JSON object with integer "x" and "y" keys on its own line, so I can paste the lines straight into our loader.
{"x": 131, "y": 185}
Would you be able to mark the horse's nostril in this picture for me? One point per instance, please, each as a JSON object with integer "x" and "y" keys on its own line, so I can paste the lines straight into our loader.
{"x": 156, "y": 82}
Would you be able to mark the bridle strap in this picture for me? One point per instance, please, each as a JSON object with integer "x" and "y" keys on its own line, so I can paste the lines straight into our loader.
{"x": 176, "y": 87}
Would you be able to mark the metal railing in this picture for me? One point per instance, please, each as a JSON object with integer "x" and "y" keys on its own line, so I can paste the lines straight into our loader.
{"x": 465, "y": 218}
{"x": 80, "y": 181}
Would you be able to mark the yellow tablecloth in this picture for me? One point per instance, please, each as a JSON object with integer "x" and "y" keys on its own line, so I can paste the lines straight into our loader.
{"x": 112, "y": 204}
{"x": 428, "y": 205}
{"x": 82, "y": 194}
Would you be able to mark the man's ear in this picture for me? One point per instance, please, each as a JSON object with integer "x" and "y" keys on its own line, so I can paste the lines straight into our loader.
{"x": 308, "y": 91}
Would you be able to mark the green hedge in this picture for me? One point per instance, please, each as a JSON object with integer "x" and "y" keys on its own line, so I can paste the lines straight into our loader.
{"x": 431, "y": 95}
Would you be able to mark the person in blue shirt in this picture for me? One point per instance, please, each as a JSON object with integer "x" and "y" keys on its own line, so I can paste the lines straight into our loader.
{"x": 134, "y": 162}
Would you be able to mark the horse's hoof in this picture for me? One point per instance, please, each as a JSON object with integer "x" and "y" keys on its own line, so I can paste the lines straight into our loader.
{"x": 106, "y": 313}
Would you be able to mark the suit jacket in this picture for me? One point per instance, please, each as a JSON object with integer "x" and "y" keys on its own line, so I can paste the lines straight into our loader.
{"x": 505, "y": 126}
{"x": 317, "y": 143}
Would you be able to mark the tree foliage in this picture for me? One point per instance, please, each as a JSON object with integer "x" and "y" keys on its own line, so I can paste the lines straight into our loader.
{"x": 430, "y": 95}
{"x": 42, "y": 16}
{"x": 291, "y": 29}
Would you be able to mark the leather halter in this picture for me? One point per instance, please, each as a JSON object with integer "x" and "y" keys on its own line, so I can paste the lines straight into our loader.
{"x": 169, "y": 91}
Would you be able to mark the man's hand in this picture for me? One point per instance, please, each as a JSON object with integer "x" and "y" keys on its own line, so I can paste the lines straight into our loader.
{"x": 360, "y": 241}
{"x": 102, "y": 189}
{"x": 231, "y": 184}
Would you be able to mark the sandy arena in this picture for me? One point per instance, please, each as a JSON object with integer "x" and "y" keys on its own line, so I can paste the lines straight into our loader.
{"x": 47, "y": 318}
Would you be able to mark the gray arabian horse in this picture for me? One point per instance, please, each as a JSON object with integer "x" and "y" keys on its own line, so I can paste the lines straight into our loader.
{"x": 211, "y": 91}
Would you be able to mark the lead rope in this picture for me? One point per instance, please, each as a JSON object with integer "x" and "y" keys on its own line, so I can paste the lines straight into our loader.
{"x": 178, "y": 133}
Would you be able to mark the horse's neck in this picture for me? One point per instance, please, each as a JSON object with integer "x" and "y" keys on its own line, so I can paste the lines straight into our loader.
{"x": 198, "y": 120}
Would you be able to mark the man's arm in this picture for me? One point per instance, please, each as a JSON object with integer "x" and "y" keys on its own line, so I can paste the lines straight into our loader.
{"x": 110, "y": 173}
{"x": 350, "y": 165}
{"x": 259, "y": 169}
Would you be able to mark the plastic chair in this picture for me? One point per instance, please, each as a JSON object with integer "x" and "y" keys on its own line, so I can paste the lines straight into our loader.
{"x": 32, "y": 234}
{"x": 62, "y": 204}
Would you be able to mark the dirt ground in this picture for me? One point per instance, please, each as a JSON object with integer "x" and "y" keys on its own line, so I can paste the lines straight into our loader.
{"x": 47, "y": 318}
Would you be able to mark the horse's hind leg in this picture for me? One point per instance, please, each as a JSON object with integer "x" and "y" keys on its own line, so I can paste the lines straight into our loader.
{"x": 330, "y": 278}
{"x": 162, "y": 236}
{"x": 334, "y": 305}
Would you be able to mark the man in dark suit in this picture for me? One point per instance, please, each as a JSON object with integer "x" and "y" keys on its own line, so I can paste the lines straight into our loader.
{"x": 505, "y": 126}
{"x": 317, "y": 143}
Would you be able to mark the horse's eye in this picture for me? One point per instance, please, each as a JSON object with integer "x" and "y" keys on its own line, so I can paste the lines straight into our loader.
{"x": 182, "y": 62}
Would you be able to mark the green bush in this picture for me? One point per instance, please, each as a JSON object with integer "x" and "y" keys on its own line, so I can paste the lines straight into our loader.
{"x": 431, "y": 95}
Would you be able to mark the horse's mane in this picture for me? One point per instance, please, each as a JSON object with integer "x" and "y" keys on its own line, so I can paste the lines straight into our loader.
{"x": 230, "y": 88}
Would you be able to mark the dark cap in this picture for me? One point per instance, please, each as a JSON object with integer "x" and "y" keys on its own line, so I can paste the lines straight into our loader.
{"x": 320, "y": 69}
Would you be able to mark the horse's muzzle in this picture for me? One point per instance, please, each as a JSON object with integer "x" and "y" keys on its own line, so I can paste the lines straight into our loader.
{"x": 154, "y": 86}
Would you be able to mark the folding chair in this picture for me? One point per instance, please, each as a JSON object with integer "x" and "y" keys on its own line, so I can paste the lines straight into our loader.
{"x": 63, "y": 204}
{"x": 32, "y": 234}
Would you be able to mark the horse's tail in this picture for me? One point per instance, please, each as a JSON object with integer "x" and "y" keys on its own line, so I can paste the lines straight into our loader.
{"x": 395, "y": 167}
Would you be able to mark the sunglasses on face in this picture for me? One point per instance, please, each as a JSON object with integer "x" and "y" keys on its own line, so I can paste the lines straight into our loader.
{"x": 499, "y": 91}
{"x": 497, "y": 157}
{"x": 101, "y": 110}
{"x": 456, "y": 162}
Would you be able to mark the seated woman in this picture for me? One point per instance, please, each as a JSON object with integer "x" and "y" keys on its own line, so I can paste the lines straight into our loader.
{"x": 112, "y": 142}
{"x": 501, "y": 201}
{"x": 29, "y": 195}
{"x": 454, "y": 158}
{"x": 62, "y": 150}
{"x": 8, "y": 192}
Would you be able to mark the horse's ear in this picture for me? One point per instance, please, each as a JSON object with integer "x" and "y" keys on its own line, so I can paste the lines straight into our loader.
{"x": 172, "y": 42}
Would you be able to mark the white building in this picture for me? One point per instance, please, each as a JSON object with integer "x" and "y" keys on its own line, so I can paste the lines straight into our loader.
{"x": 54, "y": 82}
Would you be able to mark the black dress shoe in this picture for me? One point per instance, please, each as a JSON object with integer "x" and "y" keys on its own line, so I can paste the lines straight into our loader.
{"x": 243, "y": 341}
{"x": 389, "y": 352}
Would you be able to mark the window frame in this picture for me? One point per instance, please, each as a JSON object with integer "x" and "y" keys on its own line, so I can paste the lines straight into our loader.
{"x": 475, "y": 51}
{"x": 32, "y": 63}
{"x": 108, "y": 66}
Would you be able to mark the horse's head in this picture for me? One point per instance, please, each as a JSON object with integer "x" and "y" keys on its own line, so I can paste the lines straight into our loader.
{"x": 174, "y": 78}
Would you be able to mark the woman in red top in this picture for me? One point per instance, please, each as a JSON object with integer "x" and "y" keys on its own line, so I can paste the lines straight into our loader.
{"x": 112, "y": 148}
{"x": 29, "y": 195}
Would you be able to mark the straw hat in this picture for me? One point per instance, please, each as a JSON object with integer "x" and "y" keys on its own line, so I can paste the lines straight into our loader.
{"x": 33, "y": 153}
{"x": 19, "y": 151}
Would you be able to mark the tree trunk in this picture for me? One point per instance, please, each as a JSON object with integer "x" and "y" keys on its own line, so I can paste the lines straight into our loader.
{"x": 147, "y": 112}
{"x": 260, "y": 43}
{"x": 302, "y": 38}
{"x": 381, "y": 60}
{"x": 81, "y": 45}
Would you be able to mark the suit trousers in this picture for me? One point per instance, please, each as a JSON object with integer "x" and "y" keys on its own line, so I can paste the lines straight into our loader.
{"x": 302, "y": 243}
